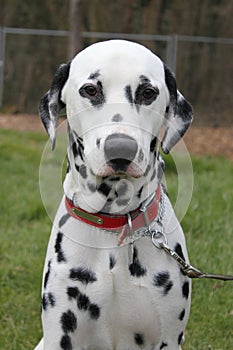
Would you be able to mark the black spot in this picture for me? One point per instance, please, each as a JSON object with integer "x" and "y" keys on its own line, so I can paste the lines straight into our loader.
{"x": 117, "y": 118}
{"x": 83, "y": 302}
{"x": 70, "y": 134}
{"x": 112, "y": 261}
{"x": 63, "y": 220}
{"x": 73, "y": 292}
{"x": 128, "y": 94}
{"x": 77, "y": 167}
{"x": 75, "y": 150}
{"x": 182, "y": 314}
{"x": 58, "y": 248}
{"x": 121, "y": 189}
{"x": 68, "y": 167}
{"x": 162, "y": 280}
{"x": 94, "y": 311}
{"x": 153, "y": 144}
{"x": 153, "y": 175}
{"x": 48, "y": 299}
{"x": 163, "y": 345}
{"x": 52, "y": 300}
{"x": 144, "y": 79}
{"x": 185, "y": 289}
{"x": 135, "y": 268}
{"x": 167, "y": 287}
{"x": 76, "y": 143}
{"x": 91, "y": 186}
{"x": 164, "y": 190}
{"x": 79, "y": 141}
{"x": 140, "y": 192}
{"x": 139, "y": 339}
{"x": 98, "y": 142}
{"x": 68, "y": 321}
{"x": 44, "y": 302}
{"x": 148, "y": 168}
{"x": 104, "y": 189}
{"x": 83, "y": 275}
{"x": 83, "y": 171}
{"x": 160, "y": 171}
{"x": 94, "y": 75}
{"x": 46, "y": 278}
{"x": 65, "y": 343}
{"x": 140, "y": 156}
{"x": 180, "y": 337}
{"x": 179, "y": 251}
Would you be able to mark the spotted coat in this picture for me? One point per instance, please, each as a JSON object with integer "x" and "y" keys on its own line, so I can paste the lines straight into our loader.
{"x": 97, "y": 295}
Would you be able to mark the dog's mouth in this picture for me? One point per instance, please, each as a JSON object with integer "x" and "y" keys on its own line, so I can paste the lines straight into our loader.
{"x": 120, "y": 167}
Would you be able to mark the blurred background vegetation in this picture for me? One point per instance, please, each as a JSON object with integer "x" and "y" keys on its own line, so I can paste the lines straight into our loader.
{"x": 203, "y": 70}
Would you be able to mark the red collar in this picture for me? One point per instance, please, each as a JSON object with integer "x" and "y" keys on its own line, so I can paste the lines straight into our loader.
{"x": 139, "y": 217}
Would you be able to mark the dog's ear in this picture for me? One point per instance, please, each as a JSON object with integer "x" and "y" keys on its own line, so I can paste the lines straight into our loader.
{"x": 51, "y": 104}
{"x": 179, "y": 114}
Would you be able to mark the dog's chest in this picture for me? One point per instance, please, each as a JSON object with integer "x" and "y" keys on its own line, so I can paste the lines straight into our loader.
{"x": 119, "y": 295}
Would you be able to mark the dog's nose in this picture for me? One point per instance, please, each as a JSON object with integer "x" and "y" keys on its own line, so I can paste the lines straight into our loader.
{"x": 120, "y": 150}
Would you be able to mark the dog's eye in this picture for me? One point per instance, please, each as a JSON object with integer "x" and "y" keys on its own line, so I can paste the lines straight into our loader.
{"x": 90, "y": 89}
{"x": 149, "y": 93}
{"x": 93, "y": 93}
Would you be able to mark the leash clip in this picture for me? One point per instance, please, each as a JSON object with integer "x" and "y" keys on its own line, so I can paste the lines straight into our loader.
{"x": 189, "y": 270}
{"x": 130, "y": 224}
{"x": 127, "y": 230}
{"x": 131, "y": 243}
{"x": 158, "y": 238}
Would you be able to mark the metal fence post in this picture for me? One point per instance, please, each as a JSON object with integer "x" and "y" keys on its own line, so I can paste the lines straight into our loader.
{"x": 171, "y": 53}
{"x": 2, "y": 55}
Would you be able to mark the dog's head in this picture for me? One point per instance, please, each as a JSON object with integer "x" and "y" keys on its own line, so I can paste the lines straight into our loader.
{"x": 118, "y": 95}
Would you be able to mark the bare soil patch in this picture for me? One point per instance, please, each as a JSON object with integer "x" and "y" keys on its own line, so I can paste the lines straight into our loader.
{"x": 22, "y": 122}
{"x": 215, "y": 141}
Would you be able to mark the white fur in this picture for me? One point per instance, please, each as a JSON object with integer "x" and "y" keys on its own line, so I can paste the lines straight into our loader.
{"x": 128, "y": 304}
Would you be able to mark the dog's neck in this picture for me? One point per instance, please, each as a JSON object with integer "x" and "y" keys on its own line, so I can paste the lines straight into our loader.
{"x": 113, "y": 194}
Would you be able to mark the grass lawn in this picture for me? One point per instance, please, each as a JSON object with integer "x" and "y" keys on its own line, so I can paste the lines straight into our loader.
{"x": 25, "y": 228}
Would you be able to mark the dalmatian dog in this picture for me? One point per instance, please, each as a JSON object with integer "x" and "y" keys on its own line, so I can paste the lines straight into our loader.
{"x": 106, "y": 286}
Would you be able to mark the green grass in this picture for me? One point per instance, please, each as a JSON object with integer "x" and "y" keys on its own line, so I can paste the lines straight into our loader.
{"x": 24, "y": 231}
{"x": 208, "y": 229}
{"x": 25, "y": 228}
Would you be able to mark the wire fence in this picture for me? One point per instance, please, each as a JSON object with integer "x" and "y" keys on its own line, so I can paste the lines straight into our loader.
{"x": 203, "y": 68}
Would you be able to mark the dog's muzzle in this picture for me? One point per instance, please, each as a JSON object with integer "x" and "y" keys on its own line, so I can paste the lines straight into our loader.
{"x": 120, "y": 150}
